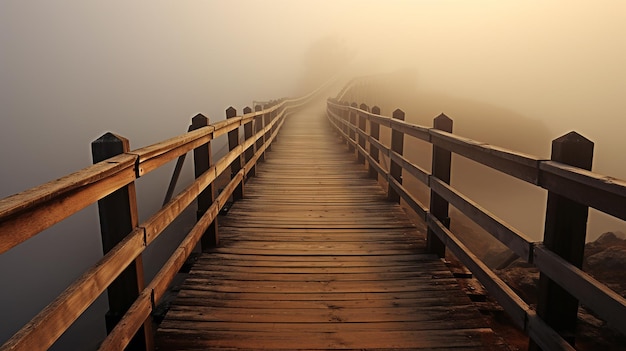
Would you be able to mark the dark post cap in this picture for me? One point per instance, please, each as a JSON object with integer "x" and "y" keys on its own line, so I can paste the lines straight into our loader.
{"x": 231, "y": 112}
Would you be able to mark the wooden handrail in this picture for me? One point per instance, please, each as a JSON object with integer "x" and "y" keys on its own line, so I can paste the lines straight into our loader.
{"x": 606, "y": 194}
{"x": 24, "y": 215}
{"x": 590, "y": 186}
{"x": 20, "y": 218}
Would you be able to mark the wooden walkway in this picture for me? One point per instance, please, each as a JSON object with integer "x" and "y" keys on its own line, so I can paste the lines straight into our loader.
{"x": 315, "y": 258}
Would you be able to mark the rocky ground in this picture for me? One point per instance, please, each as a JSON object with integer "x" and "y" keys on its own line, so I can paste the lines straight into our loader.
{"x": 605, "y": 260}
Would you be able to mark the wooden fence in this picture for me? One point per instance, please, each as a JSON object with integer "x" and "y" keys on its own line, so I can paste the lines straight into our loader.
{"x": 572, "y": 189}
{"x": 110, "y": 182}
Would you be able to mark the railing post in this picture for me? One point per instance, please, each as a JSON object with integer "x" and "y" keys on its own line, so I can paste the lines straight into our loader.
{"x": 202, "y": 160}
{"x": 375, "y": 133}
{"x": 352, "y": 123}
{"x": 362, "y": 120}
{"x": 233, "y": 142}
{"x": 274, "y": 117}
{"x": 258, "y": 124}
{"x": 344, "y": 117}
{"x": 441, "y": 161}
{"x": 564, "y": 234}
{"x": 286, "y": 112}
{"x": 339, "y": 116}
{"x": 397, "y": 146}
{"x": 247, "y": 134}
{"x": 267, "y": 119}
{"x": 118, "y": 217}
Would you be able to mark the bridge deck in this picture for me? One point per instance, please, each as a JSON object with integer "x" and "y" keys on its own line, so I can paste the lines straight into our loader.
{"x": 315, "y": 258}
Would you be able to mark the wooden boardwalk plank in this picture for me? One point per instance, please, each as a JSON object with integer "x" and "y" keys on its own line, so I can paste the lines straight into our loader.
{"x": 315, "y": 258}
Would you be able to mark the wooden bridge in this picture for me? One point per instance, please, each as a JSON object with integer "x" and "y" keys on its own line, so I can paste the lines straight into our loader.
{"x": 316, "y": 252}
{"x": 316, "y": 257}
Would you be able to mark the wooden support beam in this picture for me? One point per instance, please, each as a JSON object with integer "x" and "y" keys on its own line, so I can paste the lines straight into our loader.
{"x": 441, "y": 162}
{"x": 202, "y": 159}
{"x": 397, "y": 145}
{"x": 118, "y": 217}
{"x": 362, "y": 126}
{"x": 248, "y": 132}
{"x": 374, "y": 133}
{"x": 351, "y": 133}
{"x": 267, "y": 120}
{"x": 175, "y": 175}
{"x": 233, "y": 142}
{"x": 258, "y": 124}
{"x": 564, "y": 234}
{"x": 345, "y": 115}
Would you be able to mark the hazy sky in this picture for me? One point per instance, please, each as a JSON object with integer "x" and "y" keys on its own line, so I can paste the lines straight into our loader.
{"x": 71, "y": 70}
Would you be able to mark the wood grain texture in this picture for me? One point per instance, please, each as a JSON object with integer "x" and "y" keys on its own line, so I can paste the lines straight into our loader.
{"x": 315, "y": 257}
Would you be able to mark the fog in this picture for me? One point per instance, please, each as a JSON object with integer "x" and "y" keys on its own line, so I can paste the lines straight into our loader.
{"x": 73, "y": 70}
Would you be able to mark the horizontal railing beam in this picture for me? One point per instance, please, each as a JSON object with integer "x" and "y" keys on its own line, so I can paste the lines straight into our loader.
{"x": 506, "y": 234}
{"x": 24, "y": 215}
{"x": 155, "y": 155}
{"x": 515, "y": 164}
{"x": 414, "y": 204}
{"x": 413, "y": 169}
{"x": 606, "y": 194}
{"x": 591, "y": 293}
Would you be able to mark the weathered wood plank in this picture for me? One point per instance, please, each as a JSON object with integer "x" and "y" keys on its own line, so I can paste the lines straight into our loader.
{"x": 312, "y": 327}
{"x": 336, "y": 313}
{"x": 323, "y": 260}
{"x": 210, "y": 300}
{"x": 415, "y": 340}
{"x": 26, "y": 214}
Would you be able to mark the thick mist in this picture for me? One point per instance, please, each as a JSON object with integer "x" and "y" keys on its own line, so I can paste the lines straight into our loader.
{"x": 516, "y": 75}
{"x": 72, "y": 70}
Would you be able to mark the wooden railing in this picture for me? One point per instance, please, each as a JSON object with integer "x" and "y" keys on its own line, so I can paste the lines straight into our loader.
{"x": 572, "y": 188}
{"x": 110, "y": 182}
